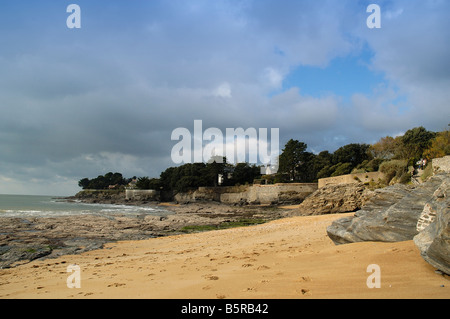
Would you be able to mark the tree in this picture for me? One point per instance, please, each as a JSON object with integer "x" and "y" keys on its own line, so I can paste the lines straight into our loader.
{"x": 215, "y": 167}
{"x": 351, "y": 153}
{"x": 148, "y": 183}
{"x": 322, "y": 165}
{"x": 440, "y": 146}
{"x": 244, "y": 173}
{"x": 341, "y": 169}
{"x": 84, "y": 183}
{"x": 307, "y": 170}
{"x": 415, "y": 141}
{"x": 385, "y": 148}
{"x": 291, "y": 158}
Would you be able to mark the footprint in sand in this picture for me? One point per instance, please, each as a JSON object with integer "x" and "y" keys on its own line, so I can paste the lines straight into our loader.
{"x": 116, "y": 285}
{"x": 211, "y": 277}
{"x": 263, "y": 267}
{"x": 306, "y": 292}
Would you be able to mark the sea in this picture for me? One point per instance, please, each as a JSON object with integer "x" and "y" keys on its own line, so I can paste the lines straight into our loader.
{"x": 51, "y": 206}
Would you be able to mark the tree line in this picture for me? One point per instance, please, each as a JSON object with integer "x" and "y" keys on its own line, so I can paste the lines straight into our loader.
{"x": 392, "y": 155}
{"x": 104, "y": 181}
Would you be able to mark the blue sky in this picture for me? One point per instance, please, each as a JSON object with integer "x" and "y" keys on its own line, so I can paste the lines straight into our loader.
{"x": 342, "y": 76}
{"x": 81, "y": 102}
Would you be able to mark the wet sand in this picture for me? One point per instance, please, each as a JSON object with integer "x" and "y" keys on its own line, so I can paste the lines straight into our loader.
{"x": 286, "y": 258}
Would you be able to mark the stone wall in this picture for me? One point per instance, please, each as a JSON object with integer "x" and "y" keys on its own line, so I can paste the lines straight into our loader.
{"x": 351, "y": 178}
{"x": 254, "y": 194}
{"x": 141, "y": 194}
{"x": 441, "y": 164}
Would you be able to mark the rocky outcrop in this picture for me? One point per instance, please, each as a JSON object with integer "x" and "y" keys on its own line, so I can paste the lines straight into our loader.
{"x": 26, "y": 239}
{"x": 100, "y": 196}
{"x": 434, "y": 226}
{"x": 390, "y": 215}
{"x": 334, "y": 199}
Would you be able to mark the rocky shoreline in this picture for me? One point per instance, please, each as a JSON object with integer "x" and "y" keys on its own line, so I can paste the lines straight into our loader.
{"x": 25, "y": 239}
{"x": 394, "y": 213}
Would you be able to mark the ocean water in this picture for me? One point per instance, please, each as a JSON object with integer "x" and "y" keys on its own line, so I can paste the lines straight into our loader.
{"x": 49, "y": 206}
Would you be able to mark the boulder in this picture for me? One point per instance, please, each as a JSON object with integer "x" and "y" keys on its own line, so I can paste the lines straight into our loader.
{"x": 390, "y": 215}
{"x": 433, "y": 240}
{"x": 334, "y": 199}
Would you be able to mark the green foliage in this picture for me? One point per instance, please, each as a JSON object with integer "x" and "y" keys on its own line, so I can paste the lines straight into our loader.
{"x": 368, "y": 166}
{"x": 351, "y": 153}
{"x": 103, "y": 181}
{"x": 231, "y": 224}
{"x": 187, "y": 176}
{"x": 84, "y": 183}
{"x": 415, "y": 141}
{"x": 341, "y": 169}
{"x": 395, "y": 169}
{"x": 325, "y": 172}
{"x": 427, "y": 172}
{"x": 440, "y": 146}
{"x": 148, "y": 183}
{"x": 291, "y": 158}
{"x": 190, "y": 176}
{"x": 244, "y": 173}
{"x": 385, "y": 148}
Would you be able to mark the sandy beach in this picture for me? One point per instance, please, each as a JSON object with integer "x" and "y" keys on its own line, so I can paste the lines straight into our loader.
{"x": 286, "y": 258}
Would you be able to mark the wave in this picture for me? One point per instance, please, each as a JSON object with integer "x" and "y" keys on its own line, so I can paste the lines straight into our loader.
{"x": 100, "y": 211}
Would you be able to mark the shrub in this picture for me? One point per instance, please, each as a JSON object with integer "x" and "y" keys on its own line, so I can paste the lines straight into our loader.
{"x": 342, "y": 169}
{"x": 394, "y": 168}
{"x": 428, "y": 171}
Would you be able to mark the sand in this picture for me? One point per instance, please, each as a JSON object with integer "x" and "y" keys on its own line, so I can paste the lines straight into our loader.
{"x": 286, "y": 258}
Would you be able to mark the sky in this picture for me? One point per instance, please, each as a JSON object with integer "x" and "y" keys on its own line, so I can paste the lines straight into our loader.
{"x": 81, "y": 102}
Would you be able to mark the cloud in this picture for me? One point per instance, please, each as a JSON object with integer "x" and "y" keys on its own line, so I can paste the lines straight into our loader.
{"x": 223, "y": 90}
{"x": 79, "y": 103}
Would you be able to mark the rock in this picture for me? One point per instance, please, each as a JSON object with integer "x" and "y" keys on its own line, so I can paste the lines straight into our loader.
{"x": 390, "y": 215}
{"x": 24, "y": 253}
{"x": 434, "y": 240}
{"x": 333, "y": 199}
{"x": 23, "y": 240}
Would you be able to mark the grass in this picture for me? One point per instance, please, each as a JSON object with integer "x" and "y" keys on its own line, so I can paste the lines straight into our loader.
{"x": 428, "y": 171}
{"x": 225, "y": 225}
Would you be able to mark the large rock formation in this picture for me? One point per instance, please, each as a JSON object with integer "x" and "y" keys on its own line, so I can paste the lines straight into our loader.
{"x": 400, "y": 212}
{"x": 390, "y": 215}
{"x": 334, "y": 199}
{"x": 434, "y": 226}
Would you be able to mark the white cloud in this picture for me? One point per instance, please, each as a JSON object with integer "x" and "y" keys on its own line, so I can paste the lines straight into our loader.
{"x": 223, "y": 90}
{"x": 273, "y": 78}
{"x": 392, "y": 14}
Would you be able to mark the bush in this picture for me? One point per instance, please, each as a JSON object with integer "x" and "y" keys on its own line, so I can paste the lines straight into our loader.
{"x": 427, "y": 172}
{"x": 342, "y": 169}
{"x": 394, "y": 168}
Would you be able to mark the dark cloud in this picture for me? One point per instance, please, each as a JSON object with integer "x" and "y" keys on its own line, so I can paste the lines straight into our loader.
{"x": 77, "y": 103}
